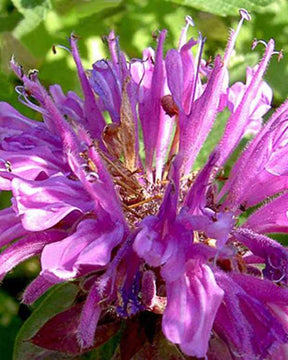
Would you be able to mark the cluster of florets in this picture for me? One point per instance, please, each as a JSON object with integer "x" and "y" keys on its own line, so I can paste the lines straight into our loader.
{"x": 150, "y": 235}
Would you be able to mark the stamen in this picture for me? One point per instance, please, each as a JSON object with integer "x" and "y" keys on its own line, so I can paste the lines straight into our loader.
{"x": 135, "y": 213}
{"x": 280, "y": 279}
{"x": 156, "y": 197}
{"x": 155, "y": 34}
{"x": 280, "y": 55}
{"x": 92, "y": 176}
{"x": 198, "y": 61}
{"x": 61, "y": 47}
{"x": 183, "y": 36}
{"x": 231, "y": 44}
{"x": 270, "y": 263}
{"x": 23, "y": 98}
{"x": 27, "y": 102}
{"x": 256, "y": 42}
{"x": 33, "y": 74}
{"x": 7, "y": 164}
{"x": 84, "y": 167}
{"x": 118, "y": 170}
{"x": 245, "y": 14}
{"x": 125, "y": 186}
{"x": 19, "y": 89}
{"x": 189, "y": 20}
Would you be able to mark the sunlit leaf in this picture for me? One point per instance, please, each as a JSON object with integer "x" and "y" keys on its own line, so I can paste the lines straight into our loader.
{"x": 9, "y": 22}
{"x": 33, "y": 11}
{"x": 224, "y": 7}
{"x": 83, "y": 7}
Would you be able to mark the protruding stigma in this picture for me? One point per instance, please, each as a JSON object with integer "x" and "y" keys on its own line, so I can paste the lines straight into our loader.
{"x": 183, "y": 37}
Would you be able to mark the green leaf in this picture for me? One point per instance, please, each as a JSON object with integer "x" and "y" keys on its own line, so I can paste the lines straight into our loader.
{"x": 34, "y": 11}
{"x": 83, "y": 8}
{"x": 224, "y": 7}
{"x": 9, "y": 324}
{"x": 9, "y": 22}
{"x": 59, "y": 299}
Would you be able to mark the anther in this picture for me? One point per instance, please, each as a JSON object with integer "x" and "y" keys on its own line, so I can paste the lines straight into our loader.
{"x": 19, "y": 89}
{"x": 7, "y": 164}
{"x": 75, "y": 37}
{"x": 84, "y": 146}
{"x": 244, "y": 14}
{"x": 189, "y": 21}
{"x": 33, "y": 74}
{"x": 61, "y": 47}
{"x": 85, "y": 167}
{"x": 198, "y": 62}
{"x": 280, "y": 55}
{"x": 256, "y": 42}
{"x": 155, "y": 34}
{"x": 92, "y": 176}
{"x": 280, "y": 279}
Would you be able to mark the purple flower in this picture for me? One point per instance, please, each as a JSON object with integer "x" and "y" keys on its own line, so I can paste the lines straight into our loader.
{"x": 151, "y": 235}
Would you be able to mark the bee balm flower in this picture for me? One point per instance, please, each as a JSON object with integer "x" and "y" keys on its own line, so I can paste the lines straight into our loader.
{"x": 149, "y": 235}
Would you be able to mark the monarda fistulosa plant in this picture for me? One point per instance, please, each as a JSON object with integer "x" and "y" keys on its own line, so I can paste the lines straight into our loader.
{"x": 156, "y": 250}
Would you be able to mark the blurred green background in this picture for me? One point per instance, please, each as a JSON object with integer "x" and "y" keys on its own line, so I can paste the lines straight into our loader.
{"x": 29, "y": 29}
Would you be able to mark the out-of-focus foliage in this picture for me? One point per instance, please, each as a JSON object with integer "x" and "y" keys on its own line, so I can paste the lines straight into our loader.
{"x": 224, "y": 7}
{"x": 29, "y": 29}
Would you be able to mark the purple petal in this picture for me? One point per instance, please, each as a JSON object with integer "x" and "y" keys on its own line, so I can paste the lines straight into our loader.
{"x": 200, "y": 186}
{"x": 274, "y": 254}
{"x": 256, "y": 174}
{"x": 13, "y": 120}
{"x": 25, "y": 248}
{"x": 70, "y": 104}
{"x": 157, "y": 240}
{"x": 150, "y": 106}
{"x": 245, "y": 323}
{"x": 192, "y": 84}
{"x": 175, "y": 75}
{"x": 270, "y": 218}
{"x": 201, "y": 118}
{"x": 93, "y": 116}
{"x": 89, "y": 319}
{"x": 192, "y": 304}
{"x": 36, "y": 289}
{"x": 91, "y": 244}
{"x": 106, "y": 84}
{"x": 237, "y": 122}
{"x": 10, "y": 226}
{"x": 43, "y": 204}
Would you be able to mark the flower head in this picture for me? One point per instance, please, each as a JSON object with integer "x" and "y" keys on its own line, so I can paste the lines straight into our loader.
{"x": 149, "y": 234}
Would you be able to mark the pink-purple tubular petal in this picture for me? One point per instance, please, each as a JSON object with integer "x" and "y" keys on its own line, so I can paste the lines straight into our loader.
{"x": 192, "y": 304}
